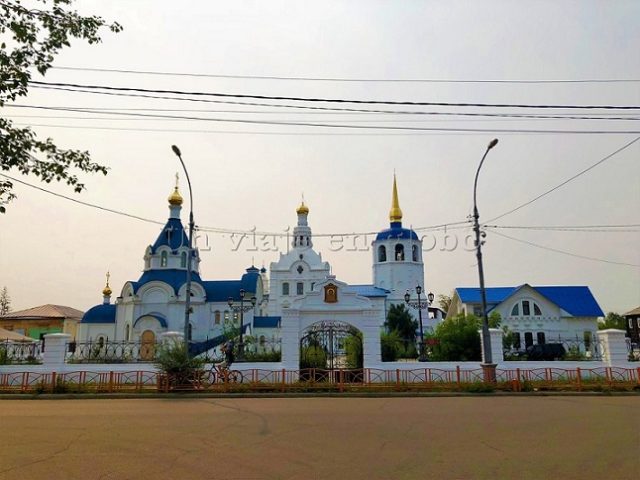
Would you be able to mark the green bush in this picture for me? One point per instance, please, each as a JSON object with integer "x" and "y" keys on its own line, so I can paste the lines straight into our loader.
{"x": 479, "y": 387}
{"x": 574, "y": 353}
{"x": 266, "y": 356}
{"x": 313, "y": 356}
{"x": 4, "y": 356}
{"x": 353, "y": 348}
{"x": 174, "y": 360}
{"x": 458, "y": 339}
{"x": 390, "y": 343}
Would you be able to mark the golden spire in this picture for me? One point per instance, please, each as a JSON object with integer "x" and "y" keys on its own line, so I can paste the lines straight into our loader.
{"x": 395, "y": 214}
{"x": 175, "y": 198}
{"x": 302, "y": 209}
{"x": 107, "y": 290}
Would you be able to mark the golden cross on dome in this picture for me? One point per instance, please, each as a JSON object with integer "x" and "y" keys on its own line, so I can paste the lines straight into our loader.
{"x": 108, "y": 277}
{"x": 177, "y": 179}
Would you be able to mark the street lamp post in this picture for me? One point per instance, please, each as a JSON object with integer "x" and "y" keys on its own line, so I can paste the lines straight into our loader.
{"x": 419, "y": 306}
{"x": 488, "y": 367}
{"x": 187, "y": 305}
{"x": 241, "y": 309}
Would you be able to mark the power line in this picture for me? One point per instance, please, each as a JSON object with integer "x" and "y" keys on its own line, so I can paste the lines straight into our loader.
{"x": 493, "y": 116}
{"x": 220, "y": 230}
{"x": 339, "y": 79}
{"x": 318, "y": 108}
{"x": 248, "y": 132}
{"x": 329, "y": 100}
{"x": 602, "y": 160}
{"x": 350, "y": 126}
{"x": 564, "y": 252}
{"x": 325, "y": 110}
{"x": 576, "y": 228}
{"x": 281, "y": 234}
{"x": 86, "y": 204}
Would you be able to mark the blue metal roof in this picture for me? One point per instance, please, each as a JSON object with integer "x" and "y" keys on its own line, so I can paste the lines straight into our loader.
{"x": 100, "y": 314}
{"x": 495, "y": 295}
{"x": 157, "y": 316}
{"x": 395, "y": 231}
{"x": 576, "y": 300}
{"x": 172, "y": 235}
{"x": 266, "y": 322}
{"x": 215, "y": 290}
{"x": 171, "y": 276}
{"x": 369, "y": 291}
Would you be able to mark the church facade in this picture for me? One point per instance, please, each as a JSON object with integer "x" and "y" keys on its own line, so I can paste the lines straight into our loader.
{"x": 302, "y": 293}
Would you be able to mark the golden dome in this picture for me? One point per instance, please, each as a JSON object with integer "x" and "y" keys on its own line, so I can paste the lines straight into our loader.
{"x": 395, "y": 214}
{"x": 106, "y": 291}
{"x": 302, "y": 209}
{"x": 175, "y": 198}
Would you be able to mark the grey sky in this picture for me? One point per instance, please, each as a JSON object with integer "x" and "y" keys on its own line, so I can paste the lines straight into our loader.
{"x": 54, "y": 251}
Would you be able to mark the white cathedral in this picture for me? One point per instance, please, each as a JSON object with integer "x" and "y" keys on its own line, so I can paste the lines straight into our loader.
{"x": 298, "y": 292}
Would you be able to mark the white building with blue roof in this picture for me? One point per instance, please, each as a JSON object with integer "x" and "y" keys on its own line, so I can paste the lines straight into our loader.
{"x": 536, "y": 314}
{"x": 155, "y": 303}
{"x": 302, "y": 290}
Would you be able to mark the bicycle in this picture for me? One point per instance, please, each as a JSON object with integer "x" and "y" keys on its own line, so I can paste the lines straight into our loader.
{"x": 220, "y": 373}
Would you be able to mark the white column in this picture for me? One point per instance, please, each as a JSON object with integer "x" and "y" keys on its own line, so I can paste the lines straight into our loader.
{"x": 55, "y": 349}
{"x": 371, "y": 352}
{"x": 495, "y": 338}
{"x": 614, "y": 346}
{"x": 290, "y": 346}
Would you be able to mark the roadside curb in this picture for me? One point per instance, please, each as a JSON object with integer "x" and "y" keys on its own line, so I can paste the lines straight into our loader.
{"x": 186, "y": 395}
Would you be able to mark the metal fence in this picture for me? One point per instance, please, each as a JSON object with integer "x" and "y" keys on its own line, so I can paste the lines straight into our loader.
{"x": 564, "y": 349}
{"x": 259, "y": 380}
{"x": 111, "y": 352}
{"x": 12, "y": 353}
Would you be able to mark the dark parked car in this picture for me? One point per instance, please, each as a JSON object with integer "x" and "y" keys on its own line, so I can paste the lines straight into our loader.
{"x": 546, "y": 352}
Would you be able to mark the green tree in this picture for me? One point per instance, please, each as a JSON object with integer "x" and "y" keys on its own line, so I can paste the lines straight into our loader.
{"x": 613, "y": 320}
{"x": 5, "y": 301}
{"x": 390, "y": 344}
{"x": 34, "y": 36}
{"x": 399, "y": 319}
{"x": 494, "y": 319}
{"x": 457, "y": 339}
{"x": 353, "y": 349}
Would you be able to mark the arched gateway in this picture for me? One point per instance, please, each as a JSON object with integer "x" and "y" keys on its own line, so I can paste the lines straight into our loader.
{"x": 330, "y": 345}
{"x": 331, "y": 327}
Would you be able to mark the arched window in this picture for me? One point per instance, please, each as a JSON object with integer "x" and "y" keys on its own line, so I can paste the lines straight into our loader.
{"x": 100, "y": 342}
{"x": 226, "y": 315}
{"x": 163, "y": 259}
{"x": 216, "y": 317}
{"x": 525, "y": 307}
{"x": 285, "y": 288}
{"x": 399, "y": 252}
{"x": 262, "y": 340}
{"x": 235, "y": 316}
{"x": 183, "y": 260}
{"x": 414, "y": 253}
{"x": 127, "y": 333}
{"x": 382, "y": 253}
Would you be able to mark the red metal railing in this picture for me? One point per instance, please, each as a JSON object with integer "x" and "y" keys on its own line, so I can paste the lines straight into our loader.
{"x": 341, "y": 380}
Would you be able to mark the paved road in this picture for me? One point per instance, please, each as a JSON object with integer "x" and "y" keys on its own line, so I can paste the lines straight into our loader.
{"x": 317, "y": 438}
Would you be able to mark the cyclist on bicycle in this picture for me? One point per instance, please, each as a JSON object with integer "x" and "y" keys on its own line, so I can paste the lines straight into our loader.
{"x": 229, "y": 357}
